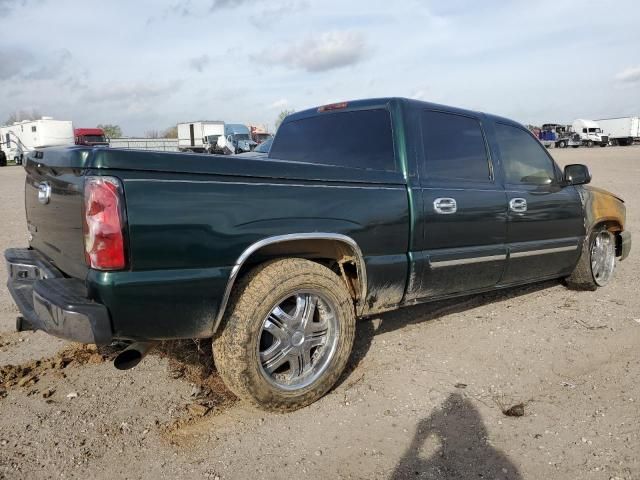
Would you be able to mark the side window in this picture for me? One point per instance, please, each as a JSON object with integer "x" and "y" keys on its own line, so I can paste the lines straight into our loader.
{"x": 454, "y": 147}
{"x": 358, "y": 139}
{"x": 523, "y": 158}
{"x": 33, "y": 128}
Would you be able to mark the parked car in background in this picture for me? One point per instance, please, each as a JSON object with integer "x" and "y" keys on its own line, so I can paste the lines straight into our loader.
{"x": 622, "y": 131}
{"x": 261, "y": 150}
{"x": 276, "y": 257}
{"x": 259, "y": 133}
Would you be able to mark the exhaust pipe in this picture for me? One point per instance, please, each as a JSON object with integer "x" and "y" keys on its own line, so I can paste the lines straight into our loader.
{"x": 132, "y": 355}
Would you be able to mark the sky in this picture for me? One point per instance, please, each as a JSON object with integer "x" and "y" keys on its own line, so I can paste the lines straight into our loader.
{"x": 146, "y": 65}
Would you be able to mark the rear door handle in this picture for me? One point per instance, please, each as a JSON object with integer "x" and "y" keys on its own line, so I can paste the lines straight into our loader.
{"x": 518, "y": 205}
{"x": 445, "y": 206}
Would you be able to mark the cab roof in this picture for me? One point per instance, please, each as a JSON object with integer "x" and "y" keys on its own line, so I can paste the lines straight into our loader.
{"x": 385, "y": 102}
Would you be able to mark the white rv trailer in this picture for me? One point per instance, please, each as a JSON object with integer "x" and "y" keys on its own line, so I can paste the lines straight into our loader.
{"x": 621, "y": 131}
{"x": 200, "y": 136}
{"x": 22, "y": 137}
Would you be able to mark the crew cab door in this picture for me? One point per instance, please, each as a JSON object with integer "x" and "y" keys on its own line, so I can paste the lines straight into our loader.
{"x": 463, "y": 244}
{"x": 545, "y": 220}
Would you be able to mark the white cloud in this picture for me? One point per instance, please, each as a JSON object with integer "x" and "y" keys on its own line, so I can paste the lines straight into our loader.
{"x": 629, "y": 75}
{"x": 282, "y": 103}
{"x": 319, "y": 53}
{"x": 422, "y": 94}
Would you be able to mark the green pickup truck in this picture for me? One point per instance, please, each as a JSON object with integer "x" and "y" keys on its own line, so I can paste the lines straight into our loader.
{"x": 360, "y": 207}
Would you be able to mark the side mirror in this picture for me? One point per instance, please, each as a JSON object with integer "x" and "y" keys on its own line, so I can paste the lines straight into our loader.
{"x": 576, "y": 174}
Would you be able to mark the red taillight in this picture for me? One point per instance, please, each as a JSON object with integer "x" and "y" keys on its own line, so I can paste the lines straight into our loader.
{"x": 103, "y": 224}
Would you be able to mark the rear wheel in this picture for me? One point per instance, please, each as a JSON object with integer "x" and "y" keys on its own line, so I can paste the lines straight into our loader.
{"x": 287, "y": 335}
{"x": 590, "y": 143}
{"x": 597, "y": 262}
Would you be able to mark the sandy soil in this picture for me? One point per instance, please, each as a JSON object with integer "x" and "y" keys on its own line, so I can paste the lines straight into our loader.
{"x": 423, "y": 398}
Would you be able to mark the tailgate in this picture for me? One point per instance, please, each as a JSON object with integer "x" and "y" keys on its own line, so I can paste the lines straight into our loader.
{"x": 53, "y": 203}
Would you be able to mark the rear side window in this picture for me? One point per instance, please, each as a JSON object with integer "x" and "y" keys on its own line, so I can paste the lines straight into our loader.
{"x": 360, "y": 139}
{"x": 524, "y": 159}
{"x": 454, "y": 147}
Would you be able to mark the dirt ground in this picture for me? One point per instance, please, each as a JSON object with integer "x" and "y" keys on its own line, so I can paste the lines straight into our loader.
{"x": 423, "y": 398}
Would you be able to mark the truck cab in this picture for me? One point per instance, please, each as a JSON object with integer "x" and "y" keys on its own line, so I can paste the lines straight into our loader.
{"x": 590, "y": 133}
{"x": 90, "y": 137}
{"x": 238, "y": 138}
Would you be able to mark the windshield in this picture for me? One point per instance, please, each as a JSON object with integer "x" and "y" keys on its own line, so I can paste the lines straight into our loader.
{"x": 265, "y": 146}
{"x": 595, "y": 130}
{"x": 94, "y": 139}
{"x": 241, "y": 136}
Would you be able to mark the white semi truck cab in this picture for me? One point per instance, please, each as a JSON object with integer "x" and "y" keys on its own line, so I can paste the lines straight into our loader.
{"x": 590, "y": 133}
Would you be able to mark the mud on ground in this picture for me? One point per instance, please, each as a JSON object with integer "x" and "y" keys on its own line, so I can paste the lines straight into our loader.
{"x": 425, "y": 395}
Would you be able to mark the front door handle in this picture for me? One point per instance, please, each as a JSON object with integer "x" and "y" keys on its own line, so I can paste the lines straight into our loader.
{"x": 518, "y": 205}
{"x": 445, "y": 206}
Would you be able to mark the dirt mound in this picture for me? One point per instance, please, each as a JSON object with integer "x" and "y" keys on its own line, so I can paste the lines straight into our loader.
{"x": 28, "y": 374}
{"x": 192, "y": 360}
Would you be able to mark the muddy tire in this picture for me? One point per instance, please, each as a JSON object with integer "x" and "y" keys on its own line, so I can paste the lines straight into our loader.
{"x": 597, "y": 262}
{"x": 287, "y": 334}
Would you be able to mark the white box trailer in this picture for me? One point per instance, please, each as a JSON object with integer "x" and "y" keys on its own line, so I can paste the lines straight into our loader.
{"x": 200, "y": 136}
{"x": 622, "y": 130}
{"x": 22, "y": 137}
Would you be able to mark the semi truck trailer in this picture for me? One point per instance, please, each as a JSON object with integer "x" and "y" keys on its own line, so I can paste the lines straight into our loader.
{"x": 621, "y": 131}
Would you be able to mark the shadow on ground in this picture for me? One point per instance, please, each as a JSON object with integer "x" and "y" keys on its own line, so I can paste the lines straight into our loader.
{"x": 452, "y": 443}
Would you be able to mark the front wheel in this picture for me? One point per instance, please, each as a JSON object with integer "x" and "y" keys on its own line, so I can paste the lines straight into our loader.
{"x": 562, "y": 144}
{"x": 287, "y": 334}
{"x": 597, "y": 262}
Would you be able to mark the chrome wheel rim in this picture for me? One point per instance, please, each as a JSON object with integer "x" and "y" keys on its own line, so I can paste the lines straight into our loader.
{"x": 298, "y": 340}
{"x": 603, "y": 258}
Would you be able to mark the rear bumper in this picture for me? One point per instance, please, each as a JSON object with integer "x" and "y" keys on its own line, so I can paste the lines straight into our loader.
{"x": 52, "y": 303}
{"x": 625, "y": 244}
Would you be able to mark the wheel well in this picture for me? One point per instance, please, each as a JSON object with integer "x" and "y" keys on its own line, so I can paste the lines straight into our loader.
{"x": 336, "y": 255}
{"x": 614, "y": 227}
